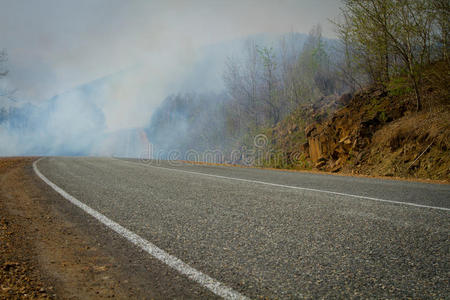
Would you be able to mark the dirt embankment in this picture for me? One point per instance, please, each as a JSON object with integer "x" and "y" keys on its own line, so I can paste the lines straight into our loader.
{"x": 379, "y": 133}
{"x": 42, "y": 255}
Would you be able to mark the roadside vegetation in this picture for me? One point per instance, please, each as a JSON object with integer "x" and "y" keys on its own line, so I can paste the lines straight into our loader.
{"x": 334, "y": 105}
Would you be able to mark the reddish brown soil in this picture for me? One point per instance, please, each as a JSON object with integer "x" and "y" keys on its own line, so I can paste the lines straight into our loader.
{"x": 41, "y": 254}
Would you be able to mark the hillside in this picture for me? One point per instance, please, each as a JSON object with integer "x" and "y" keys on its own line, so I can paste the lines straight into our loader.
{"x": 376, "y": 131}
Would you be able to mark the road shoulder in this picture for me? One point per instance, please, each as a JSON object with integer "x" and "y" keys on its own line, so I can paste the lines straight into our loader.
{"x": 54, "y": 250}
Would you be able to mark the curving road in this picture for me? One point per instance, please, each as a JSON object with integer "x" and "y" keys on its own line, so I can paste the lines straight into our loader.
{"x": 272, "y": 233}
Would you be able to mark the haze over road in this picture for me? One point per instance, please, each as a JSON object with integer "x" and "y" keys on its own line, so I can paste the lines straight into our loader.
{"x": 258, "y": 234}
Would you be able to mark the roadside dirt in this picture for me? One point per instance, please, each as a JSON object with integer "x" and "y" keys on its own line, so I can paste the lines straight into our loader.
{"x": 42, "y": 255}
{"x": 18, "y": 274}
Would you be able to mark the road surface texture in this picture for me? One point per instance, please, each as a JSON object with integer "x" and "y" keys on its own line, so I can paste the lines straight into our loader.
{"x": 275, "y": 234}
{"x": 50, "y": 249}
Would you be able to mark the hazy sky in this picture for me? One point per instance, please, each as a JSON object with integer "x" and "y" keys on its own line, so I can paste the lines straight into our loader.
{"x": 55, "y": 45}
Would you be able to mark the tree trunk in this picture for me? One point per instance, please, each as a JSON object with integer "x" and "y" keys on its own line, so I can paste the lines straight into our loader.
{"x": 416, "y": 90}
{"x": 418, "y": 98}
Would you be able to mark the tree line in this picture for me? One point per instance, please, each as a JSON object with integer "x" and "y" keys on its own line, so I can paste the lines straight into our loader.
{"x": 382, "y": 39}
{"x": 270, "y": 81}
{"x": 262, "y": 86}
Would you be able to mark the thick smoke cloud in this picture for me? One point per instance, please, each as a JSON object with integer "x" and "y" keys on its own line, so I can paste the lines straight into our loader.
{"x": 89, "y": 72}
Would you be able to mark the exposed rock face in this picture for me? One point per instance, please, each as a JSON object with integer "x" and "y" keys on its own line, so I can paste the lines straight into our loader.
{"x": 333, "y": 142}
{"x": 289, "y": 135}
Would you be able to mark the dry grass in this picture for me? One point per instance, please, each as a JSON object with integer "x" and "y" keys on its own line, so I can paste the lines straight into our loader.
{"x": 416, "y": 145}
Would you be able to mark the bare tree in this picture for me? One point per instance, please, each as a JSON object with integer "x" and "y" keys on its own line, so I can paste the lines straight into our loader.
{"x": 395, "y": 35}
{"x": 3, "y": 59}
{"x": 5, "y": 93}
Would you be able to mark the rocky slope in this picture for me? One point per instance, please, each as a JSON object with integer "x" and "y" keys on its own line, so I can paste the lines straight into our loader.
{"x": 376, "y": 131}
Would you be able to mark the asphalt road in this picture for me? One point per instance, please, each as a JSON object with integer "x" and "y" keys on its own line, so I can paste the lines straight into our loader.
{"x": 256, "y": 233}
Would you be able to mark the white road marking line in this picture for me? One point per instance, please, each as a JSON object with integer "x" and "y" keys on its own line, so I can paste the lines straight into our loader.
{"x": 204, "y": 280}
{"x": 294, "y": 187}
